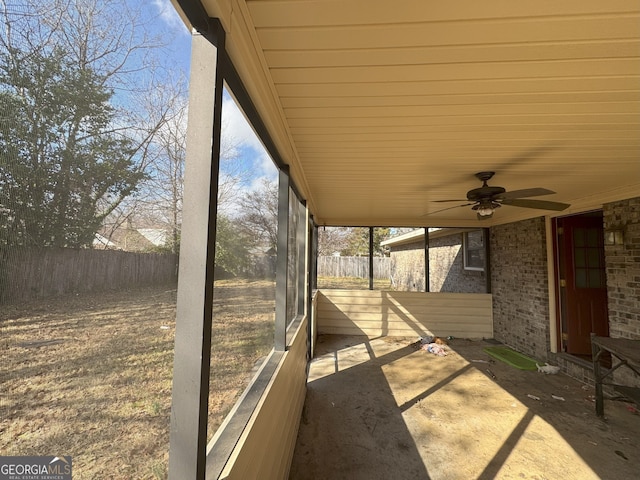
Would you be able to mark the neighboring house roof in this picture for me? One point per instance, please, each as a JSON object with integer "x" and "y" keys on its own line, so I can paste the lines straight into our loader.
{"x": 156, "y": 236}
{"x": 418, "y": 235}
{"x": 131, "y": 239}
{"x": 103, "y": 242}
{"x": 262, "y": 251}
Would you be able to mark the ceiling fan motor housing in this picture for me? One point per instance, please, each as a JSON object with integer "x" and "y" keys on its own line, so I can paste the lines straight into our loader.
{"x": 484, "y": 192}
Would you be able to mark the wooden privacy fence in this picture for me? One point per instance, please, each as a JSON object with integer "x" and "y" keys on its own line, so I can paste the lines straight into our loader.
{"x": 354, "y": 267}
{"x": 27, "y": 273}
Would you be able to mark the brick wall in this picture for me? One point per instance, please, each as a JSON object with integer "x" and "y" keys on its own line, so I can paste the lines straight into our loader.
{"x": 446, "y": 269}
{"x": 623, "y": 276}
{"x": 623, "y": 269}
{"x": 520, "y": 287}
{"x": 447, "y": 273}
{"x": 407, "y": 267}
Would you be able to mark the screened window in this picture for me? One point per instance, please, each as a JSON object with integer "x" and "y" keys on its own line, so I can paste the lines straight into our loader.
{"x": 245, "y": 263}
{"x": 343, "y": 258}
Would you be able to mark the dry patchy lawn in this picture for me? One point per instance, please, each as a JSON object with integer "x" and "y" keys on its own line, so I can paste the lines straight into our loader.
{"x": 90, "y": 375}
{"x": 353, "y": 283}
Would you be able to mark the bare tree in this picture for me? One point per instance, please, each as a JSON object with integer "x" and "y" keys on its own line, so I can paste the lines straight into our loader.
{"x": 332, "y": 240}
{"x": 158, "y": 203}
{"x": 260, "y": 214}
{"x": 234, "y": 173}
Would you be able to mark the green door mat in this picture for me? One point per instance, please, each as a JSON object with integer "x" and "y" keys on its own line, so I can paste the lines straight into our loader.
{"x": 511, "y": 357}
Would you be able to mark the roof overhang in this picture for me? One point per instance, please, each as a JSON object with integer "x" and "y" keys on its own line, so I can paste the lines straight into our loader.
{"x": 417, "y": 235}
{"x": 381, "y": 109}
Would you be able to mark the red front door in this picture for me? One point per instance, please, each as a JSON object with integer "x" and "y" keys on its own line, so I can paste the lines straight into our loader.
{"x": 583, "y": 286}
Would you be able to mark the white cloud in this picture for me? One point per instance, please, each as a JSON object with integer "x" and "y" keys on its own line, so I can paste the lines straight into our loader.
{"x": 168, "y": 14}
{"x": 237, "y": 125}
{"x": 267, "y": 167}
{"x": 241, "y": 133}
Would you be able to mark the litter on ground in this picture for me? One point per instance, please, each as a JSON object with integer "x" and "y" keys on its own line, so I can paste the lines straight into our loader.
{"x": 435, "y": 345}
{"x": 548, "y": 369}
{"x": 435, "y": 348}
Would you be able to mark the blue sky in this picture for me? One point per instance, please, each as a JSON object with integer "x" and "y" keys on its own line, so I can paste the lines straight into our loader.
{"x": 172, "y": 29}
{"x": 250, "y": 151}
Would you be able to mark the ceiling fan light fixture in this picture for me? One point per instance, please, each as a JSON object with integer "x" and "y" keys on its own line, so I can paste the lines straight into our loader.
{"x": 485, "y": 210}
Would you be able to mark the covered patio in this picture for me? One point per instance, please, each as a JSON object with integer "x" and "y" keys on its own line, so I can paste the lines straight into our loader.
{"x": 380, "y": 408}
{"x": 517, "y": 119}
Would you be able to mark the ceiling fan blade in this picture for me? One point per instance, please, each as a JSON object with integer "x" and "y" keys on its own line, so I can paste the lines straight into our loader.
{"x": 539, "y": 204}
{"x": 527, "y": 192}
{"x": 453, "y": 200}
{"x": 448, "y": 208}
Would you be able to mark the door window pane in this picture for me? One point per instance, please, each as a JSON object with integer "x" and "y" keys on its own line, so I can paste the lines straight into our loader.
{"x": 581, "y": 278}
{"x": 588, "y": 258}
{"x": 594, "y": 258}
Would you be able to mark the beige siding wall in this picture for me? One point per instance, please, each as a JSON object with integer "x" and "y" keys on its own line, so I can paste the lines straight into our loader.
{"x": 377, "y": 313}
{"x": 266, "y": 447}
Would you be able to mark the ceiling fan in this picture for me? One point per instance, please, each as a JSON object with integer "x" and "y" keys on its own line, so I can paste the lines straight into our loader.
{"x": 486, "y": 199}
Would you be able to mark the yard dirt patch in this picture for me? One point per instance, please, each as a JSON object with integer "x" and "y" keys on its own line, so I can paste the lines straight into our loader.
{"x": 90, "y": 375}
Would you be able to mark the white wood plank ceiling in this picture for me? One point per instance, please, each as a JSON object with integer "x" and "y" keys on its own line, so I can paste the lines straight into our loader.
{"x": 381, "y": 108}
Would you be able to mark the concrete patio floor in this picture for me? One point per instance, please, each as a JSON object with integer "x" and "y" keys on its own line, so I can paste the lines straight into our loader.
{"x": 380, "y": 409}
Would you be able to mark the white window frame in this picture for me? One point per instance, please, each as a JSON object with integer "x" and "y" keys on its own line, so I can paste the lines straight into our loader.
{"x": 465, "y": 251}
